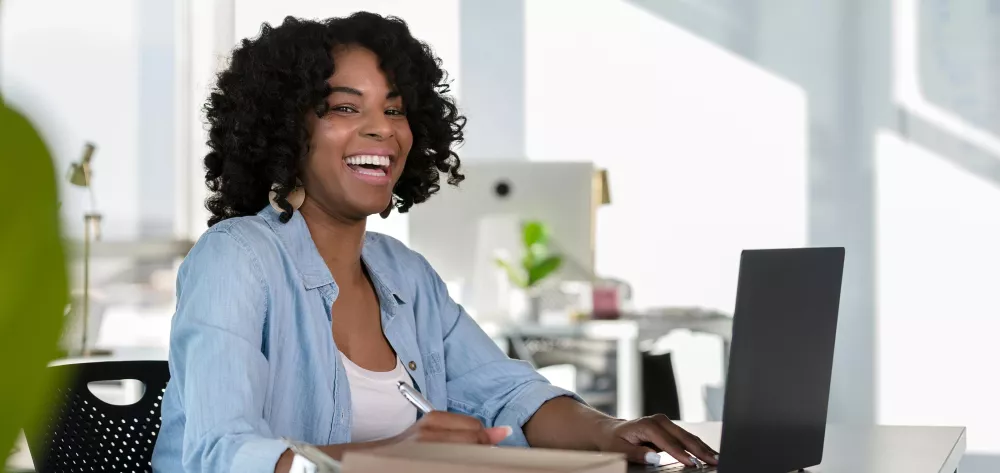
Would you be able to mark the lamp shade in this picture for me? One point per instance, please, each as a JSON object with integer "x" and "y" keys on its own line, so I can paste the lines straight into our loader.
{"x": 79, "y": 173}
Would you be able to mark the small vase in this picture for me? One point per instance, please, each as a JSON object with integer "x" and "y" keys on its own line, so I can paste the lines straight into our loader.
{"x": 525, "y": 306}
{"x": 533, "y": 314}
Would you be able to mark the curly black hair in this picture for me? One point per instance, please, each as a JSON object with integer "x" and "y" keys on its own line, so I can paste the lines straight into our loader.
{"x": 256, "y": 113}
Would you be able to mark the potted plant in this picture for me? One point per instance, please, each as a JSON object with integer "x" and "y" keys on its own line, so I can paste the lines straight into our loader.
{"x": 539, "y": 261}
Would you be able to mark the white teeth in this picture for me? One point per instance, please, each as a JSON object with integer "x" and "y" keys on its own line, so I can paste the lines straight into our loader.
{"x": 370, "y": 172}
{"x": 368, "y": 159}
{"x": 382, "y": 161}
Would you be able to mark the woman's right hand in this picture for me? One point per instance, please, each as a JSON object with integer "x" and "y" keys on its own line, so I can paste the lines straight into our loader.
{"x": 448, "y": 427}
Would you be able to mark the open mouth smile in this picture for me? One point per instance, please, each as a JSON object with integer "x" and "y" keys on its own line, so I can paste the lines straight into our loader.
{"x": 371, "y": 168}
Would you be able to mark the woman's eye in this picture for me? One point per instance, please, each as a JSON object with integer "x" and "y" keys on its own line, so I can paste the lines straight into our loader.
{"x": 344, "y": 109}
{"x": 394, "y": 111}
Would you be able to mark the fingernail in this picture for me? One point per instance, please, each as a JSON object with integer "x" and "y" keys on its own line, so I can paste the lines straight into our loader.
{"x": 653, "y": 458}
{"x": 506, "y": 429}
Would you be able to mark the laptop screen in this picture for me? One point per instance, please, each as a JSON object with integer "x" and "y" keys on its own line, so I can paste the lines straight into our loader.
{"x": 778, "y": 386}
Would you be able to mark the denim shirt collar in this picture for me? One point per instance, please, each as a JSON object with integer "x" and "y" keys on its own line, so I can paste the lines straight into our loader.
{"x": 295, "y": 236}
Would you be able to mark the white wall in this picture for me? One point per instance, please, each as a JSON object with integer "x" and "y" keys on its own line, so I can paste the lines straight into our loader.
{"x": 939, "y": 274}
{"x": 905, "y": 171}
{"x": 206, "y": 37}
{"x": 938, "y": 225}
{"x": 705, "y": 151}
{"x": 492, "y": 46}
{"x": 706, "y": 154}
{"x": 904, "y": 166}
{"x": 74, "y": 70}
{"x": 917, "y": 213}
{"x": 103, "y": 75}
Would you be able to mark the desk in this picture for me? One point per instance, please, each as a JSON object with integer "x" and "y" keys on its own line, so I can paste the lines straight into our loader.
{"x": 874, "y": 449}
{"x": 628, "y": 333}
{"x": 117, "y": 354}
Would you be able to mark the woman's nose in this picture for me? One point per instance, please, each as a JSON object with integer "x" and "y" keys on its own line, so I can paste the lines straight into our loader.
{"x": 377, "y": 127}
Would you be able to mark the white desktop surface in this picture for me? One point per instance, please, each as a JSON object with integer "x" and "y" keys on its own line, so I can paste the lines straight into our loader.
{"x": 874, "y": 449}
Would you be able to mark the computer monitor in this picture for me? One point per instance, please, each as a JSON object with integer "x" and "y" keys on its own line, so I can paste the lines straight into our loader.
{"x": 449, "y": 228}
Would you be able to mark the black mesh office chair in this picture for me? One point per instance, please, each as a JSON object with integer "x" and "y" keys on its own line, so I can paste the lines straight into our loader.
{"x": 84, "y": 433}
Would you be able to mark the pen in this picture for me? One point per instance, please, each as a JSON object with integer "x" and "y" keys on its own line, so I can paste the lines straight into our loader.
{"x": 415, "y": 398}
{"x": 425, "y": 407}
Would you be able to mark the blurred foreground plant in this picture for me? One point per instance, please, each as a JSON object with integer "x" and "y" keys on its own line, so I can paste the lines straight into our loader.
{"x": 33, "y": 285}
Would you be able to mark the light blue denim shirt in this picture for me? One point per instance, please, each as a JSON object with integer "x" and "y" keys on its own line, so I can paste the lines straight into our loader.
{"x": 252, "y": 356}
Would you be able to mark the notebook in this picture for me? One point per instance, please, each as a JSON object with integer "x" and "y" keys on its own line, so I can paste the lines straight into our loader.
{"x": 452, "y": 458}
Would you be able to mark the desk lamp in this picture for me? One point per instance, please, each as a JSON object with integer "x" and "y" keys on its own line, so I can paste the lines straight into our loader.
{"x": 80, "y": 175}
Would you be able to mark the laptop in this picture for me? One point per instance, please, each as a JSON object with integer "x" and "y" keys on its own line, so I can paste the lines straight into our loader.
{"x": 778, "y": 385}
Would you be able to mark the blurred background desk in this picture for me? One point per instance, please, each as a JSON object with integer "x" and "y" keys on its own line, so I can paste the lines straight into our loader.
{"x": 539, "y": 344}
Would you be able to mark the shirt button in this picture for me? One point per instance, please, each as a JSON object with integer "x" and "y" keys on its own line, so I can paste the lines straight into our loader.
{"x": 413, "y": 366}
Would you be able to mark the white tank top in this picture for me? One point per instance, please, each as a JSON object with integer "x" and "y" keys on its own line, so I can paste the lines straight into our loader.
{"x": 378, "y": 410}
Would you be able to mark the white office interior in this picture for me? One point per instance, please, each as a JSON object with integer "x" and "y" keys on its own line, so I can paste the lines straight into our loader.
{"x": 720, "y": 125}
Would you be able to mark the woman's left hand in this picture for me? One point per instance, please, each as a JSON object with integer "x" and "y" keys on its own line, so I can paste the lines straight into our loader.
{"x": 636, "y": 438}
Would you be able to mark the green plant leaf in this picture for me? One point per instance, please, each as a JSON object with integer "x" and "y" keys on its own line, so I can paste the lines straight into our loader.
{"x": 512, "y": 273}
{"x": 543, "y": 269}
{"x": 529, "y": 260}
{"x": 533, "y": 234}
{"x": 33, "y": 285}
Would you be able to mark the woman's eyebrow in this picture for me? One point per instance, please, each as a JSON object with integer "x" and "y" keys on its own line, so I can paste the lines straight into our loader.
{"x": 351, "y": 90}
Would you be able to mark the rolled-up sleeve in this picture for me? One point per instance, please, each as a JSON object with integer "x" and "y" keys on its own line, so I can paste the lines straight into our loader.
{"x": 481, "y": 380}
{"x": 216, "y": 359}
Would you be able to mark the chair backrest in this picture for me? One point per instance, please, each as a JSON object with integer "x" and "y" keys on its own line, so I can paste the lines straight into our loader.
{"x": 84, "y": 433}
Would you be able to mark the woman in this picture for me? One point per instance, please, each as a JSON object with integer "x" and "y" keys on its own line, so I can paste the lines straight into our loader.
{"x": 292, "y": 321}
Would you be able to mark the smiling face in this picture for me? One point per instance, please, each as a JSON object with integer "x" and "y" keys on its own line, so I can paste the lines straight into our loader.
{"x": 357, "y": 151}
